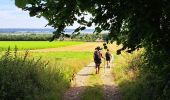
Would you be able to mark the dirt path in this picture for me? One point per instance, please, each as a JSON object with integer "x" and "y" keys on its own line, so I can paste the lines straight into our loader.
{"x": 111, "y": 91}
{"x": 79, "y": 83}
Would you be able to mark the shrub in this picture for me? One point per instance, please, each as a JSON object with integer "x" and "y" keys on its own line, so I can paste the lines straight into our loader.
{"x": 140, "y": 80}
{"x": 23, "y": 78}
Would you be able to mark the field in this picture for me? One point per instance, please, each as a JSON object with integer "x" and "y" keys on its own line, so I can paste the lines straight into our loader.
{"x": 29, "y": 45}
{"x": 50, "y": 65}
{"x": 52, "y": 72}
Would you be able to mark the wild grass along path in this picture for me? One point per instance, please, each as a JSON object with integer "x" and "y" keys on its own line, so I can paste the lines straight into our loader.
{"x": 79, "y": 84}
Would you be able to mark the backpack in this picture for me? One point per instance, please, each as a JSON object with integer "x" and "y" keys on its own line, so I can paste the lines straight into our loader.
{"x": 107, "y": 55}
{"x": 97, "y": 57}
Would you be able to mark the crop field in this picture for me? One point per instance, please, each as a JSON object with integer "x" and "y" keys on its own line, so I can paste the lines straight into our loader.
{"x": 29, "y": 45}
{"x": 49, "y": 64}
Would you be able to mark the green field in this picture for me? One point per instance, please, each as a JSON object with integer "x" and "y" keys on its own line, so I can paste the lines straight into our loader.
{"x": 29, "y": 45}
{"x": 35, "y": 78}
{"x": 67, "y": 62}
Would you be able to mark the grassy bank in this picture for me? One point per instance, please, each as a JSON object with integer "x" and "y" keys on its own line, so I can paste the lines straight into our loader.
{"x": 29, "y": 45}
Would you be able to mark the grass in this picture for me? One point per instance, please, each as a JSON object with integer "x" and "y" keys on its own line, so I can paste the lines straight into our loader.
{"x": 94, "y": 91}
{"x": 63, "y": 55}
{"x": 68, "y": 62}
{"x": 47, "y": 82}
{"x": 29, "y": 45}
{"x": 56, "y": 76}
{"x": 23, "y": 78}
{"x": 126, "y": 74}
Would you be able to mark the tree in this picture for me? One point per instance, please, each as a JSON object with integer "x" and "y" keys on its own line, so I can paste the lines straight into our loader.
{"x": 133, "y": 23}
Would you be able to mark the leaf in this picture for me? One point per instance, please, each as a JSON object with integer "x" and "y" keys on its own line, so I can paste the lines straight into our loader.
{"x": 104, "y": 44}
{"x": 89, "y": 24}
{"x": 77, "y": 29}
{"x": 82, "y": 28}
{"x": 67, "y": 35}
{"x": 98, "y": 29}
{"x": 105, "y": 47}
{"x": 20, "y": 3}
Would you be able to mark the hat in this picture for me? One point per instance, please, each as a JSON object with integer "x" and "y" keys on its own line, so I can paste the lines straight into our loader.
{"x": 98, "y": 48}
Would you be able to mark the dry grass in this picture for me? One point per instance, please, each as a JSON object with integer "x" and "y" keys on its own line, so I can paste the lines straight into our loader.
{"x": 86, "y": 47}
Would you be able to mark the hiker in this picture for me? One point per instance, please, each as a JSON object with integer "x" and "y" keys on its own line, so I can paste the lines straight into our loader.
{"x": 108, "y": 58}
{"x": 97, "y": 58}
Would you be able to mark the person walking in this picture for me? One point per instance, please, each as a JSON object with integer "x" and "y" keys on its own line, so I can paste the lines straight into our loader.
{"x": 108, "y": 58}
{"x": 97, "y": 58}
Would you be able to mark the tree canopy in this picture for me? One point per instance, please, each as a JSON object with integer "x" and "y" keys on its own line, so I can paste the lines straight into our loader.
{"x": 133, "y": 23}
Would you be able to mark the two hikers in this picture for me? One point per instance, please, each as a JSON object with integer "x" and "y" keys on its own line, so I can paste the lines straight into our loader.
{"x": 98, "y": 56}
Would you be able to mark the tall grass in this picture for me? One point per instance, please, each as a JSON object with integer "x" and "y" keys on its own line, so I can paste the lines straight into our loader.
{"x": 25, "y": 78}
{"x": 22, "y": 78}
{"x": 127, "y": 73}
{"x": 142, "y": 80}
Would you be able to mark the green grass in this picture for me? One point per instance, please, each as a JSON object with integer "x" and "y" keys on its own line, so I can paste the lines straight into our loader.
{"x": 94, "y": 90}
{"x": 44, "y": 82}
{"x": 126, "y": 74}
{"x": 68, "y": 62}
{"x": 63, "y": 55}
{"x": 27, "y": 45}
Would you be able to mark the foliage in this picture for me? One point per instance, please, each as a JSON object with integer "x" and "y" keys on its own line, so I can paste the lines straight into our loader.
{"x": 135, "y": 81}
{"x": 47, "y": 37}
{"x": 27, "y": 45}
{"x": 23, "y": 78}
{"x": 89, "y": 37}
{"x": 134, "y": 24}
{"x": 26, "y": 37}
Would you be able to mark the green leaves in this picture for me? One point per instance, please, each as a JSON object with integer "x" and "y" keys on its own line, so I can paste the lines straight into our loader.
{"x": 20, "y": 3}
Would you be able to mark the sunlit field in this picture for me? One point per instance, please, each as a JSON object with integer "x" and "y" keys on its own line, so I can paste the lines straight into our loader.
{"x": 37, "y": 73}
{"x": 29, "y": 45}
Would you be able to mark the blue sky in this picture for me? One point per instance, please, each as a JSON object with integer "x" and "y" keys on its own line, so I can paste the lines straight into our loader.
{"x": 13, "y": 17}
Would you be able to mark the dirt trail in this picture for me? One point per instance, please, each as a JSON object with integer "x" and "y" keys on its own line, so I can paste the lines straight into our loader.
{"x": 111, "y": 91}
{"x": 79, "y": 83}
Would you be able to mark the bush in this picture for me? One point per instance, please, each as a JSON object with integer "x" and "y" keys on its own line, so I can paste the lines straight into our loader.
{"x": 140, "y": 80}
{"x": 23, "y": 78}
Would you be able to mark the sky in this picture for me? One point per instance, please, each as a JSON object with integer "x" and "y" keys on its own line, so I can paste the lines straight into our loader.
{"x": 13, "y": 17}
